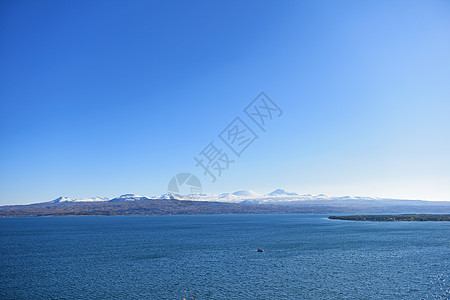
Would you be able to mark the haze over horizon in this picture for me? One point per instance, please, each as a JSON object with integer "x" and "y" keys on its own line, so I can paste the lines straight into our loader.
{"x": 102, "y": 99}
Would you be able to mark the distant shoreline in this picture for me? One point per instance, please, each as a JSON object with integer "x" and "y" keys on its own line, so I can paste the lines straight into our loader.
{"x": 394, "y": 218}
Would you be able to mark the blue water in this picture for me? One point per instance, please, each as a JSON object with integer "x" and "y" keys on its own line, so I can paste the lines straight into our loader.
{"x": 158, "y": 257}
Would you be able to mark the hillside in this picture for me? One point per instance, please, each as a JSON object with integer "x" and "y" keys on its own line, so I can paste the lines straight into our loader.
{"x": 146, "y": 206}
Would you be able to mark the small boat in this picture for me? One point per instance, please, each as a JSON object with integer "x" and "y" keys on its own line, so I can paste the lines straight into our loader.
{"x": 260, "y": 250}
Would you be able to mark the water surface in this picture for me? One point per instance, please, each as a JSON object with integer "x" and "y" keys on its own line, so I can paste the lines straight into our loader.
{"x": 157, "y": 257}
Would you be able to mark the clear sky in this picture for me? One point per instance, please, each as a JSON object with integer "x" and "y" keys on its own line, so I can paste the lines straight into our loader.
{"x": 103, "y": 98}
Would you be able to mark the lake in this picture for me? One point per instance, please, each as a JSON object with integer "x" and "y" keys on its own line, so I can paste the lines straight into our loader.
{"x": 158, "y": 257}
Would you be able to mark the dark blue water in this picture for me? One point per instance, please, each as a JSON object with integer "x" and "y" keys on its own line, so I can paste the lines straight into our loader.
{"x": 158, "y": 257}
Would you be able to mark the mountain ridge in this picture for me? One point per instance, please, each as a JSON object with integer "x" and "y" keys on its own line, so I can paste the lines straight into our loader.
{"x": 245, "y": 196}
{"x": 241, "y": 202}
{"x": 171, "y": 206}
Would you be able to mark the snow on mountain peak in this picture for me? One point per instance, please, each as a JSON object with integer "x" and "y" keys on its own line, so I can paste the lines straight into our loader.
{"x": 127, "y": 196}
{"x": 245, "y": 193}
{"x": 170, "y": 197}
{"x": 281, "y": 192}
{"x": 62, "y": 199}
{"x": 246, "y": 196}
{"x": 67, "y": 199}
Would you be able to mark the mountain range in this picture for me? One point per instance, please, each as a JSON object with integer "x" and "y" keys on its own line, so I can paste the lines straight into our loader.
{"x": 247, "y": 196}
{"x": 239, "y": 202}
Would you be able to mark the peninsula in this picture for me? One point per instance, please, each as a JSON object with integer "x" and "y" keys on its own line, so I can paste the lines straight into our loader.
{"x": 393, "y": 218}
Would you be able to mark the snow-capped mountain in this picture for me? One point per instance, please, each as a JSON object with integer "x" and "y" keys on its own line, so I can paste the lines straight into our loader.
{"x": 246, "y": 193}
{"x": 92, "y": 199}
{"x": 235, "y": 196}
{"x": 63, "y": 199}
{"x": 281, "y": 192}
{"x": 129, "y": 197}
{"x": 170, "y": 197}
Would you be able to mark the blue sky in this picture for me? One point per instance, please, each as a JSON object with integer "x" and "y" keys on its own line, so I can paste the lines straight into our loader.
{"x": 112, "y": 97}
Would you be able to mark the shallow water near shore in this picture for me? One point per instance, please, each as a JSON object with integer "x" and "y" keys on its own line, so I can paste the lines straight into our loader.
{"x": 158, "y": 257}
